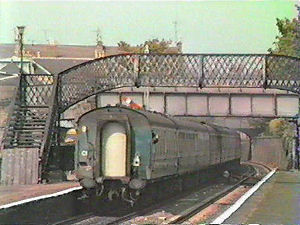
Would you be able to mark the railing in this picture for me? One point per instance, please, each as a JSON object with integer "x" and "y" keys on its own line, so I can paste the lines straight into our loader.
{"x": 15, "y": 98}
{"x": 50, "y": 127}
{"x": 36, "y": 89}
{"x": 179, "y": 70}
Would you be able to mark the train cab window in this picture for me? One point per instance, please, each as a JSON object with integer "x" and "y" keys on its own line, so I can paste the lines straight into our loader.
{"x": 154, "y": 138}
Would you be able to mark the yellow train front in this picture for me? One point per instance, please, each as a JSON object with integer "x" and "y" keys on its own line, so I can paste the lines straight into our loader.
{"x": 121, "y": 151}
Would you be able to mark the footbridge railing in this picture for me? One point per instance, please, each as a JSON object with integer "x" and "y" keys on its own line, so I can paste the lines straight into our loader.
{"x": 177, "y": 70}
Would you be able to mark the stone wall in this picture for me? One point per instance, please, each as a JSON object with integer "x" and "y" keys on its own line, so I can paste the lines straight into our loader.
{"x": 270, "y": 151}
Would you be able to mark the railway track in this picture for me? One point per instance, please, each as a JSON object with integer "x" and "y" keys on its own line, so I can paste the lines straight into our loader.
{"x": 265, "y": 167}
{"x": 90, "y": 218}
{"x": 141, "y": 212}
{"x": 189, "y": 213}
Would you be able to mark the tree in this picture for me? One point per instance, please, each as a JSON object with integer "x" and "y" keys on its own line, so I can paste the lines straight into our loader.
{"x": 288, "y": 40}
{"x": 155, "y": 46}
{"x": 124, "y": 46}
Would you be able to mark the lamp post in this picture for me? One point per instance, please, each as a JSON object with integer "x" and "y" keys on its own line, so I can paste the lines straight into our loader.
{"x": 20, "y": 40}
{"x": 147, "y": 94}
{"x": 22, "y": 87}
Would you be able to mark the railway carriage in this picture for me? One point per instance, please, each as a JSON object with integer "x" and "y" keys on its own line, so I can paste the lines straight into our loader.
{"x": 122, "y": 150}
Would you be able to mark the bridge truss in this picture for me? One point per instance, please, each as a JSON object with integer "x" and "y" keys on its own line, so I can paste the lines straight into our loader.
{"x": 42, "y": 98}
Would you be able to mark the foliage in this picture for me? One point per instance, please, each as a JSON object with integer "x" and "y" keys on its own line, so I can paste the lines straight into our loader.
{"x": 280, "y": 127}
{"x": 157, "y": 46}
{"x": 124, "y": 46}
{"x": 283, "y": 129}
{"x": 287, "y": 43}
{"x": 154, "y": 45}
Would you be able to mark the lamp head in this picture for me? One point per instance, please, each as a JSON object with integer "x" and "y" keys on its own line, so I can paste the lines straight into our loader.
{"x": 21, "y": 29}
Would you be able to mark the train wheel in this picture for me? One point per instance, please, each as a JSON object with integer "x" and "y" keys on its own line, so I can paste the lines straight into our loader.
{"x": 134, "y": 195}
{"x": 111, "y": 194}
{"x": 99, "y": 190}
{"x": 126, "y": 197}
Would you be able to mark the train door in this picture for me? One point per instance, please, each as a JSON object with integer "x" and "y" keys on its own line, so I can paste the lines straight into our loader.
{"x": 113, "y": 150}
{"x": 215, "y": 147}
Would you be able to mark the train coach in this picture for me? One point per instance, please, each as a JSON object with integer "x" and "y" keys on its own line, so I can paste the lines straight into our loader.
{"x": 120, "y": 151}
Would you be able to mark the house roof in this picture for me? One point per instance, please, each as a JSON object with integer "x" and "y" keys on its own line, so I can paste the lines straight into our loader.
{"x": 55, "y": 66}
{"x": 57, "y": 58}
{"x": 10, "y": 68}
{"x": 66, "y": 51}
{"x": 7, "y": 50}
{"x": 58, "y": 51}
{"x": 8, "y": 80}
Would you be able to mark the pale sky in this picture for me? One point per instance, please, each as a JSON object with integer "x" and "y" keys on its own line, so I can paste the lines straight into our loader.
{"x": 203, "y": 26}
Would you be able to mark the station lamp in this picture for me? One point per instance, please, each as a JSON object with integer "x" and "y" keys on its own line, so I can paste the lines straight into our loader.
{"x": 20, "y": 40}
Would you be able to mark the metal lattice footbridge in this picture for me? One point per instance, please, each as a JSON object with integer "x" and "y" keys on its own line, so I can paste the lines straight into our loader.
{"x": 42, "y": 98}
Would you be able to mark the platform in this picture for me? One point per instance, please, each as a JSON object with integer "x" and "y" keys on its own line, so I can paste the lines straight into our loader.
{"x": 275, "y": 202}
{"x": 14, "y": 195}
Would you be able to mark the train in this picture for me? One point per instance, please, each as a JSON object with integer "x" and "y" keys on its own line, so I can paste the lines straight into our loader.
{"x": 120, "y": 151}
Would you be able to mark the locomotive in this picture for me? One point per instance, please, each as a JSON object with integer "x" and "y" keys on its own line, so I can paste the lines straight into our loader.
{"x": 121, "y": 150}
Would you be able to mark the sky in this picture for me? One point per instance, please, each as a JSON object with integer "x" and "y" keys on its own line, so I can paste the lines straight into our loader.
{"x": 237, "y": 26}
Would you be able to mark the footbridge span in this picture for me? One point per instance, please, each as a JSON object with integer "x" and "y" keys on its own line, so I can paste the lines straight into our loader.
{"x": 42, "y": 98}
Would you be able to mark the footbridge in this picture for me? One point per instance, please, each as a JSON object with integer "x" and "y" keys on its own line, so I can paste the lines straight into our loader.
{"x": 42, "y": 98}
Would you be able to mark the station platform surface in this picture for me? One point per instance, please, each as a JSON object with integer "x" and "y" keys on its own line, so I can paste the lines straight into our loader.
{"x": 276, "y": 202}
{"x": 12, "y": 194}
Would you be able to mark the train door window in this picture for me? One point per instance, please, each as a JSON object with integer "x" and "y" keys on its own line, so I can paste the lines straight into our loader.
{"x": 113, "y": 151}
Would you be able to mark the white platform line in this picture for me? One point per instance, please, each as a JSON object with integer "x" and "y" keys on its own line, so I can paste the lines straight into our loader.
{"x": 40, "y": 197}
{"x": 225, "y": 215}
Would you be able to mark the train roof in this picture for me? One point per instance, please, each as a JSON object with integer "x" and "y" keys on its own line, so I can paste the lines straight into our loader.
{"x": 159, "y": 119}
{"x": 154, "y": 117}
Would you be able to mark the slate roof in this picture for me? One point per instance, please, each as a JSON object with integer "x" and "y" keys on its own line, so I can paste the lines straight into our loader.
{"x": 7, "y": 50}
{"x": 57, "y": 58}
{"x": 55, "y": 66}
{"x": 65, "y": 51}
{"x": 6, "y": 80}
{"x": 10, "y": 68}
{"x": 58, "y": 51}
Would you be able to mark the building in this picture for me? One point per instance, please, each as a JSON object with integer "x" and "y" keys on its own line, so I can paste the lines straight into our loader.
{"x": 55, "y": 58}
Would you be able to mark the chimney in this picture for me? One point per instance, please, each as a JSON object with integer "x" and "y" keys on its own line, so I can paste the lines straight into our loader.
{"x": 100, "y": 51}
{"x": 146, "y": 49}
{"x": 179, "y": 46}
